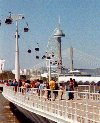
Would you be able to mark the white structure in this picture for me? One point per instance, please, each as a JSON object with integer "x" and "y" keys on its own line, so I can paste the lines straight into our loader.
{"x": 21, "y": 72}
{"x": 17, "y": 66}
{"x": 2, "y": 61}
{"x": 44, "y": 75}
{"x": 79, "y": 78}
{"x": 58, "y": 35}
{"x": 85, "y": 108}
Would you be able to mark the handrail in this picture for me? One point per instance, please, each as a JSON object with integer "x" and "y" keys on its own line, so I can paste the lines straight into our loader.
{"x": 84, "y": 108}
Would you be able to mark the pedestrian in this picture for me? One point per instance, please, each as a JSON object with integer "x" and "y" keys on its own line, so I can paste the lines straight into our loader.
{"x": 48, "y": 91}
{"x": 62, "y": 88}
{"x": 56, "y": 91}
{"x": 52, "y": 87}
{"x": 41, "y": 88}
{"x": 70, "y": 89}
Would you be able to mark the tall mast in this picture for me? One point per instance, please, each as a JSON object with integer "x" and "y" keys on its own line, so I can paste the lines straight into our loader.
{"x": 71, "y": 59}
{"x": 58, "y": 35}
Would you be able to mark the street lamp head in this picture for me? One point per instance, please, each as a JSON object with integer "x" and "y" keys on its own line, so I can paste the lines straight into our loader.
{"x": 17, "y": 17}
{"x": 12, "y": 18}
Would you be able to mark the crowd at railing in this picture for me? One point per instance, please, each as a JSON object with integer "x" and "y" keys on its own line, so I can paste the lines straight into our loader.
{"x": 42, "y": 95}
{"x": 52, "y": 86}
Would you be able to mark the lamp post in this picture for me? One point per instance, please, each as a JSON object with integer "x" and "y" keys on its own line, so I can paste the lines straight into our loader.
{"x": 47, "y": 57}
{"x": 9, "y": 21}
{"x": 49, "y": 69}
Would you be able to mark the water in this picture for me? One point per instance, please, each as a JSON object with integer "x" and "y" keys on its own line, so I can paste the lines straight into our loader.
{"x": 10, "y": 114}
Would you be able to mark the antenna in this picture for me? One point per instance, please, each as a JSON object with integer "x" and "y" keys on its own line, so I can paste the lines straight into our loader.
{"x": 59, "y": 23}
{"x": 59, "y": 19}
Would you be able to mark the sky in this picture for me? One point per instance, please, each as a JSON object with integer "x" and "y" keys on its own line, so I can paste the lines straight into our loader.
{"x": 79, "y": 20}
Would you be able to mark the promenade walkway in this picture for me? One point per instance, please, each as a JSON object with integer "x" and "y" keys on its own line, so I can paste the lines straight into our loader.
{"x": 85, "y": 108}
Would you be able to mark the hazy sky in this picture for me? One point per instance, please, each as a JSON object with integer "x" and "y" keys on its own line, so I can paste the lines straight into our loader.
{"x": 80, "y": 21}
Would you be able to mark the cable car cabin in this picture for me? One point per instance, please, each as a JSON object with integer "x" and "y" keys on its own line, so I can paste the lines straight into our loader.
{"x": 50, "y": 62}
{"x": 53, "y": 55}
{"x": 36, "y": 49}
{"x": 18, "y": 36}
{"x": 37, "y": 57}
{"x": 55, "y": 61}
{"x": 48, "y": 57}
{"x": 29, "y": 51}
{"x": 26, "y": 29}
{"x": 8, "y": 21}
{"x": 43, "y": 57}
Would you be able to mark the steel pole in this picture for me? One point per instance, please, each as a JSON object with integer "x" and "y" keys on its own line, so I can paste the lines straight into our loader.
{"x": 17, "y": 67}
{"x": 49, "y": 70}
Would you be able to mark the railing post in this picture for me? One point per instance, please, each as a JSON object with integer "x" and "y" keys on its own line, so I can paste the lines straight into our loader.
{"x": 94, "y": 88}
{"x": 71, "y": 109}
{"x": 99, "y": 109}
{"x": 66, "y": 105}
{"x": 58, "y": 112}
{"x": 75, "y": 115}
{"x": 89, "y": 91}
{"x": 86, "y": 119}
{"x": 51, "y": 99}
{"x": 66, "y": 109}
{"x": 40, "y": 91}
{"x": 77, "y": 93}
{"x": 93, "y": 112}
{"x": 67, "y": 95}
{"x": 99, "y": 116}
{"x": 89, "y": 88}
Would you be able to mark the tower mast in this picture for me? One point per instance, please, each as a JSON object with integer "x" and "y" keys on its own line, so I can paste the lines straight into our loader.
{"x": 58, "y": 35}
{"x": 71, "y": 59}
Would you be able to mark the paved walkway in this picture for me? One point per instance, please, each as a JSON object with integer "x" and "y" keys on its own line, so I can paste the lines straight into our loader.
{"x": 85, "y": 109}
{"x": 82, "y": 108}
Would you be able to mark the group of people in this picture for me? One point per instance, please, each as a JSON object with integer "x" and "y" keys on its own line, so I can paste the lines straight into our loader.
{"x": 52, "y": 87}
{"x": 71, "y": 86}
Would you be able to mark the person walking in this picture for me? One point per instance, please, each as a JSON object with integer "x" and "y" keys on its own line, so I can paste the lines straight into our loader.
{"x": 71, "y": 88}
{"x": 52, "y": 86}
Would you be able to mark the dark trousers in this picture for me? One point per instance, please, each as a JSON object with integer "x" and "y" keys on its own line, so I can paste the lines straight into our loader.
{"x": 71, "y": 95}
{"x": 48, "y": 94}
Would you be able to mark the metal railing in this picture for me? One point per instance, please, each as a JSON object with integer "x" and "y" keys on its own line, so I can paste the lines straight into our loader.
{"x": 85, "y": 108}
